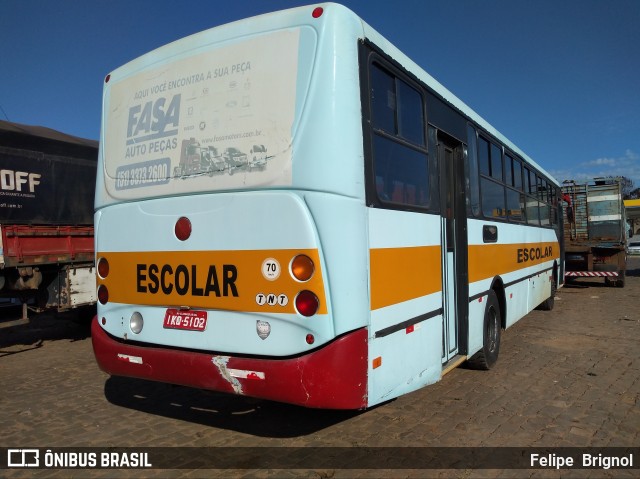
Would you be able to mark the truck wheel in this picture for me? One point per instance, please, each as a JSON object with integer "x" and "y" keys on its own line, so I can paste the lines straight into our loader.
{"x": 488, "y": 355}
{"x": 617, "y": 282}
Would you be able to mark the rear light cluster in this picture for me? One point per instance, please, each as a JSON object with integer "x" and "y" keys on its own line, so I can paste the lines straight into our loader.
{"x": 103, "y": 272}
{"x": 136, "y": 322}
{"x": 307, "y": 303}
{"x": 302, "y": 269}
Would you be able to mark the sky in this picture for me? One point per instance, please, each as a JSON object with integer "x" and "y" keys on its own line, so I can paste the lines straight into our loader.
{"x": 559, "y": 78}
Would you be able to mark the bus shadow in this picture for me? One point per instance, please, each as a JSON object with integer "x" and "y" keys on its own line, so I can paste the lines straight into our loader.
{"x": 224, "y": 411}
{"x": 583, "y": 283}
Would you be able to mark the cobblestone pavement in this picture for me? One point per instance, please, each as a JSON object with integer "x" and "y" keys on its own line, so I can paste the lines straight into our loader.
{"x": 569, "y": 377}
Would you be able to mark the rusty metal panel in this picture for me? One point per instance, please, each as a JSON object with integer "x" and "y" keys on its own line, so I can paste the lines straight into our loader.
{"x": 598, "y": 213}
{"x": 605, "y": 212}
{"x": 577, "y": 231}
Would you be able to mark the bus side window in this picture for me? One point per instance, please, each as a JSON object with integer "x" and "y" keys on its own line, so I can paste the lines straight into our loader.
{"x": 515, "y": 205}
{"x": 533, "y": 184}
{"x": 400, "y": 160}
{"x": 492, "y": 189}
{"x": 496, "y": 163}
{"x": 380, "y": 188}
{"x": 397, "y": 107}
{"x": 383, "y": 100}
{"x": 533, "y": 211}
{"x": 401, "y": 173}
{"x": 493, "y": 204}
{"x": 517, "y": 174}
{"x": 410, "y": 117}
{"x": 472, "y": 176}
{"x": 508, "y": 170}
{"x": 483, "y": 156}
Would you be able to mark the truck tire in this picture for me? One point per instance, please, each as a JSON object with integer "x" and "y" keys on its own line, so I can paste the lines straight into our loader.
{"x": 615, "y": 282}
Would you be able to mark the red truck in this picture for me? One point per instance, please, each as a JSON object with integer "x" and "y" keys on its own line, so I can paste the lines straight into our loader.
{"x": 47, "y": 185}
{"x": 596, "y": 230}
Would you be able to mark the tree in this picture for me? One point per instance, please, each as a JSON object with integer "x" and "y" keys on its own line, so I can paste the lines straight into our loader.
{"x": 633, "y": 194}
{"x": 628, "y": 191}
{"x": 627, "y": 188}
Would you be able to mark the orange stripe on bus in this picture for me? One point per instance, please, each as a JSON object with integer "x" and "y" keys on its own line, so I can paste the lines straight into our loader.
{"x": 489, "y": 260}
{"x": 226, "y": 280}
{"x": 402, "y": 274}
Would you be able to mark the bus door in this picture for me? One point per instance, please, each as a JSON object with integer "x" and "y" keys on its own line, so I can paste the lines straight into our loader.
{"x": 455, "y": 287}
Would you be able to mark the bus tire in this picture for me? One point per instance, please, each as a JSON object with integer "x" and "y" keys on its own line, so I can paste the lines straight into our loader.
{"x": 488, "y": 355}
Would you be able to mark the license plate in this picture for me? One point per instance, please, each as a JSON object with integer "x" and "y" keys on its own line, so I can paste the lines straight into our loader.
{"x": 185, "y": 319}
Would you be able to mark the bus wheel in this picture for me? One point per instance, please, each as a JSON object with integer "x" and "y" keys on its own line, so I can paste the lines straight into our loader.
{"x": 488, "y": 355}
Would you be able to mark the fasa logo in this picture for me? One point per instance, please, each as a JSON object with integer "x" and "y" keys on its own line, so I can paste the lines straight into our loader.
{"x": 150, "y": 120}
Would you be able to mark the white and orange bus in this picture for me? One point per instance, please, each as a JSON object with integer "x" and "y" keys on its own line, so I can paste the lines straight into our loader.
{"x": 289, "y": 208}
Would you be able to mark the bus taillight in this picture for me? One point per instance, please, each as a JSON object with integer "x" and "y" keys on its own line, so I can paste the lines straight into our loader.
{"x": 317, "y": 12}
{"x": 302, "y": 268}
{"x": 103, "y": 268}
{"x": 183, "y": 228}
{"x": 307, "y": 303}
{"x": 103, "y": 294}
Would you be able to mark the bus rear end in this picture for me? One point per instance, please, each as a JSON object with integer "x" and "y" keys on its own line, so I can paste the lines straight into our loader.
{"x": 212, "y": 267}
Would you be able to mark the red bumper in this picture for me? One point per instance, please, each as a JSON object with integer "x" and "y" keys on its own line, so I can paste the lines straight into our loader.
{"x": 333, "y": 377}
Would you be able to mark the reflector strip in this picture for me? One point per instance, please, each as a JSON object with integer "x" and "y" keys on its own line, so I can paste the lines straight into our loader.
{"x": 130, "y": 359}
{"x": 412, "y": 328}
{"x": 592, "y": 273}
{"x": 377, "y": 362}
{"x": 243, "y": 374}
